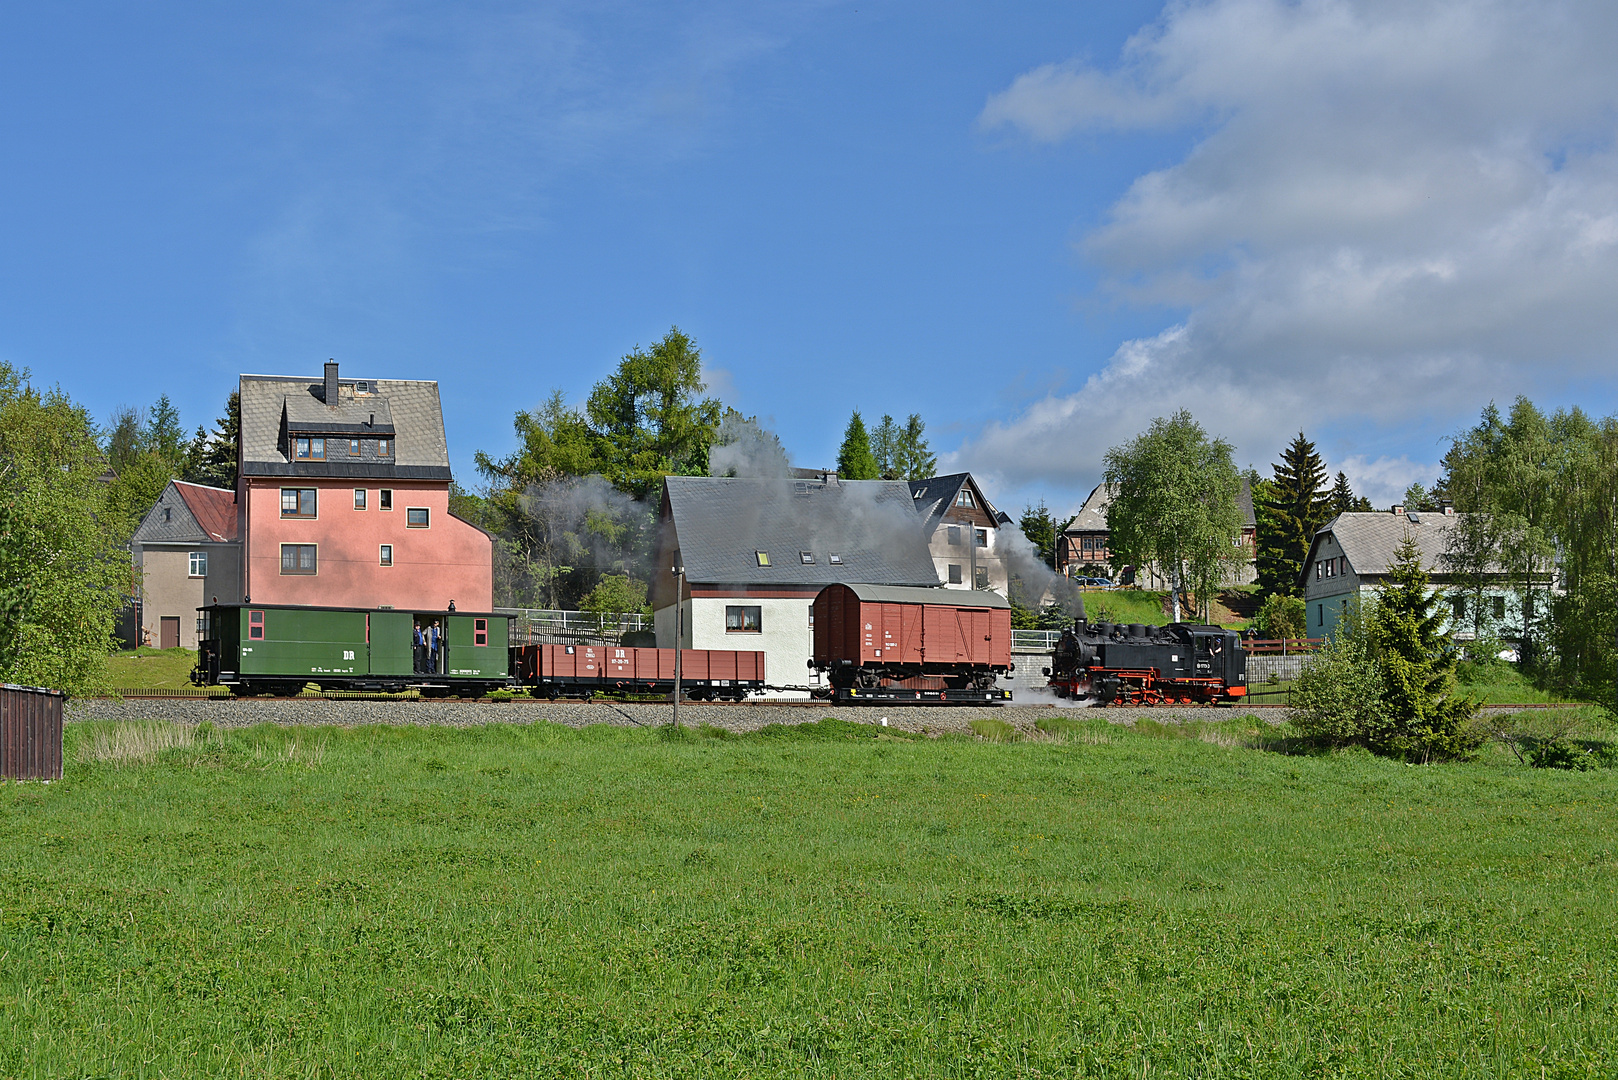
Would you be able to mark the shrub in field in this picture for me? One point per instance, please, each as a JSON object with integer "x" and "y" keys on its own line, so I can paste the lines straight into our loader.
{"x": 1386, "y": 680}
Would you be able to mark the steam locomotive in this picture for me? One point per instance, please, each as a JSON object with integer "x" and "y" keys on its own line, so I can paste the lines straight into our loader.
{"x": 1134, "y": 664}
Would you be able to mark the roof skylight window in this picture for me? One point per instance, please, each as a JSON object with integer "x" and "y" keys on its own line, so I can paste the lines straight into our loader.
{"x": 763, "y": 557}
{"x": 835, "y": 559}
{"x": 808, "y": 557}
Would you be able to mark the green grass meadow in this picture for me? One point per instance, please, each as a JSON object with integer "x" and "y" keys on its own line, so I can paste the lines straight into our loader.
{"x": 831, "y": 901}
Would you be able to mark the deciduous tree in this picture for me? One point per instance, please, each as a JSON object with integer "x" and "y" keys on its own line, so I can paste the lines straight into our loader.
{"x": 1175, "y": 504}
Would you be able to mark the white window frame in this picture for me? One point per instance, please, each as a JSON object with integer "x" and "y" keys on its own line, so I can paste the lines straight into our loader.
{"x": 198, "y": 564}
{"x": 384, "y": 555}
{"x": 361, "y": 498}
{"x": 384, "y": 499}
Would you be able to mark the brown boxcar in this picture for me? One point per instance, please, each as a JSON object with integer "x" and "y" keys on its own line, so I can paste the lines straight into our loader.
{"x": 579, "y": 670}
{"x": 869, "y": 637}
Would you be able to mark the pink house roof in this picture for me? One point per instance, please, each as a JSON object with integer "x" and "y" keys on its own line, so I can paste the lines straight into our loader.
{"x": 214, "y": 508}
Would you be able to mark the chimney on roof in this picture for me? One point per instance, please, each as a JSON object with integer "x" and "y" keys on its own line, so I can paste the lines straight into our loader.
{"x": 1449, "y": 509}
{"x": 1397, "y": 509}
{"x": 331, "y": 383}
{"x": 831, "y": 479}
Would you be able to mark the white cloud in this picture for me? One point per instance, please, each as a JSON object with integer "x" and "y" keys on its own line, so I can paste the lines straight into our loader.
{"x": 1385, "y": 479}
{"x": 1397, "y": 211}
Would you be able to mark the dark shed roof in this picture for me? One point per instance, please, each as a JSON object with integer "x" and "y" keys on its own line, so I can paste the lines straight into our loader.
{"x": 196, "y": 515}
{"x": 721, "y": 523}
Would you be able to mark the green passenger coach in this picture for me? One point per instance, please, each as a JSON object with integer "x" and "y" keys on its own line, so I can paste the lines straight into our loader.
{"x": 257, "y": 649}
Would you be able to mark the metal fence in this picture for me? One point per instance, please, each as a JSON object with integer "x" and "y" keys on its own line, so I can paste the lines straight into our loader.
{"x": 30, "y": 733}
{"x": 1034, "y": 640}
{"x": 530, "y": 625}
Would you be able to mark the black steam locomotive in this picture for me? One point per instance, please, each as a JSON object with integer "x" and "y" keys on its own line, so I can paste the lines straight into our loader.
{"x": 1134, "y": 664}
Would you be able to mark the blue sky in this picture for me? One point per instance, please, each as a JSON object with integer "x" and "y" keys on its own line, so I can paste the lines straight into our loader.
{"x": 1037, "y": 227}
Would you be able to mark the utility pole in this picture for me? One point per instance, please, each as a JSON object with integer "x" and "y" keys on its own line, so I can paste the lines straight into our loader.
{"x": 679, "y": 632}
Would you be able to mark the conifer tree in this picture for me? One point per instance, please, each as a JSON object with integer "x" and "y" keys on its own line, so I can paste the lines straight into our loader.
{"x": 1407, "y": 636}
{"x": 1343, "y": 499}
{"x": 1297, "y": 506}
{"x": 914, "y": 460}
{"x": 855, "y": 460}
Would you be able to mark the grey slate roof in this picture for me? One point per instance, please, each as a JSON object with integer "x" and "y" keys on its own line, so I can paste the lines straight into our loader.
{"x": 1370, "y": 540}
{"x": 173, "y": 520}
{"x": 935, "y": 495}
{"x": 407, "y": 410}
{"x": 1092, "y": 516}
{"x": 721, "y": 523}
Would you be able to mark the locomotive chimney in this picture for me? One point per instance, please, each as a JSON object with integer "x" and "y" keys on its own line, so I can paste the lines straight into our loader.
{"x": 331, "y": 383}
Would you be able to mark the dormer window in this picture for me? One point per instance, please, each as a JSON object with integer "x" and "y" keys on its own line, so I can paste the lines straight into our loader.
{"x": 384, "y": 448}
{"x": 307, "y": 448}
{"x": 964, "y": 499}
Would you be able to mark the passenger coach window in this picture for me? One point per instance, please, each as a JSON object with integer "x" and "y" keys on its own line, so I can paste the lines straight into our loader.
{"x": 255, "y": 625}
{"x": 744, "y": 620}
{"x": 480, "y": 631}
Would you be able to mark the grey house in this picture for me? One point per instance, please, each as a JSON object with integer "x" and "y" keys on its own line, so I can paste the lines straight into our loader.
{"x": 1349, "y": 560}
{"x": 185, "y": 553}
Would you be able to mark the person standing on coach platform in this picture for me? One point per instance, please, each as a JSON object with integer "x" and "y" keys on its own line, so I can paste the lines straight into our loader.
{"x": 420, "y": 653}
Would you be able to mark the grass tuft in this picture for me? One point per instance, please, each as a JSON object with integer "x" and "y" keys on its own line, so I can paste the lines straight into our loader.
{"x": 993, "y": 730}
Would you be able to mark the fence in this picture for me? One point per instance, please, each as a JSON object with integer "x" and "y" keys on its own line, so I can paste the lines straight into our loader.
{"x": 532, "y": 625}
{"x": 1281, "y": 646}
{"x": 1034, "y": 640}
{"x": 30, "y": 733}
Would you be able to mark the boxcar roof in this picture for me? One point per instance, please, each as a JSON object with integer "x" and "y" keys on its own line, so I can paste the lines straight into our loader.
{"x": 894, "y": 594}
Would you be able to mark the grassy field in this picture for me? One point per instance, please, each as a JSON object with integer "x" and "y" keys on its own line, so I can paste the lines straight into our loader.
{"x": 150, "y": 669}
{"x": 829, "y": 901}
{"x": 1125, "y": 606}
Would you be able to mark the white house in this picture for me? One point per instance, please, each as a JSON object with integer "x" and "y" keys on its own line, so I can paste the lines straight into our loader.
{"x": 756, "y": 552}
{"x": 963, "y": 531}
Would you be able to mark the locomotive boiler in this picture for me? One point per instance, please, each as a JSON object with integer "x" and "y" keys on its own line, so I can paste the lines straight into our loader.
{"x": 1135, "y": 664}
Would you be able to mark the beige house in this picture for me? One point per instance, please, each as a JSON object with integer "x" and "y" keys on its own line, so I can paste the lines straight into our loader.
{"x": 963, "y": 534}
{"x": 185, "y": 554}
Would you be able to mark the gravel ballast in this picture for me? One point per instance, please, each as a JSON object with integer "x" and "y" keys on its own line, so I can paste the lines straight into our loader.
{"x": 227, "y": 712}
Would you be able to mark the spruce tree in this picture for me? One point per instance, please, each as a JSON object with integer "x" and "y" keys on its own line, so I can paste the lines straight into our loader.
{"x": 886, "y": 448}
{"x": 1297, "y": 506}
{"x": 855, "y": 460}
{"x": 1417, "y": 658}
{"x": 1343, "y": 499}
{"x": 914, "y": 461}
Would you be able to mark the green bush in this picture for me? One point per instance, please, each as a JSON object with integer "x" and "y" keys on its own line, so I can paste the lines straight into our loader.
{"x": 1281, "y": 617}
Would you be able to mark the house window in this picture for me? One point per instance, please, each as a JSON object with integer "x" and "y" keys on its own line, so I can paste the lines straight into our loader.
{"x": 384, "y": 499}
{"x": 199, "y": 564}
{"x": 954, "y": 573}
{"x": 763, "y": 557}
{"x": 964, "y": 498}
{"x": 743, "y": 620}
{"x": 297, "y": 558}
{"x": 835, "y": 559}
{"x": 1459, "y": 604}
{"x": 353, "y": 448}
{"x": 981, "y": 577}
{"x": 255, "y": 626}
{"x": 1320, "y": 615}
{"x": 310, "y": 448}
{"x": 416, "y": 517}
{"x": 384, "y": 448}
{"x": 955, "y": 536}
{"x": 297, "y": 502}
{"x": 359, "y": 498}
{"x": 386, "y": 554}
{"x": 480, "y": 631}
{"x": 1499, "y": 607}
{"x": 981, "y": 536}
{"x": 807, "y": 557}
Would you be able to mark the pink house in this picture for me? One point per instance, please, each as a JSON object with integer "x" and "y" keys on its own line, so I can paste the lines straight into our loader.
{"x": 342, "y": 498}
